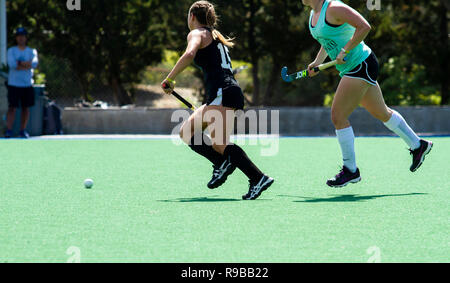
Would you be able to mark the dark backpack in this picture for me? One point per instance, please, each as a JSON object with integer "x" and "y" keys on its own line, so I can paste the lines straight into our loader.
{"x": 52, "y": 119}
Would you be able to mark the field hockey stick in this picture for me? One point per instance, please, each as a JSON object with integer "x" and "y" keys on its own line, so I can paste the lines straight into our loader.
{"x": 240, "y": 69}
{"x": 180, "y": 98}
{"x": 303, "y": 74}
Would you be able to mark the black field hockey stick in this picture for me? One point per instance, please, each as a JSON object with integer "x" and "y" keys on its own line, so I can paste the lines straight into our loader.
{"x": 180, "y": 98}
{"x": 303, "y": 74}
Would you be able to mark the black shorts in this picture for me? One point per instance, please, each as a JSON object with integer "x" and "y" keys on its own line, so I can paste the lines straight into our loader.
{"x": 367, "y": 70}
{"x": 20, "y": 97}
{"x": 231, "y": 97}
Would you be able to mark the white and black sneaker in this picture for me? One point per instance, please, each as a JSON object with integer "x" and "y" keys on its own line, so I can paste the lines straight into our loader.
{"x": 257, "y": 188}
{"x": 344, "y": 178}
{"x": 220, "y": 174}
{"x": 419, "y": 154}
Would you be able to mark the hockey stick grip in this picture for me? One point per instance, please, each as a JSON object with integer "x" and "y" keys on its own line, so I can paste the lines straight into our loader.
{"x": 180, "y": 98}
{"x": 325, "y": 66}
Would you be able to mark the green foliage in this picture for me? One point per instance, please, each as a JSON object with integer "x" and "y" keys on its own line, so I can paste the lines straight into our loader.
{"x": 190, "y": 78}
{"x": 421, "y": 37}
{"x": 111, "y": 41}
{"x": 4, "y": 68}
{"x": 328, "y": 101}
{"x": 63, "y": 82}
{"x": 156, "y": 74}
{"x": 408, "y": 84}
{"x": 120, "y": 43}
{"x": 39, "y": 78}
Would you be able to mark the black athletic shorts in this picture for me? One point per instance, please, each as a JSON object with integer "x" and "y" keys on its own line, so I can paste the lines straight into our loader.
{"x": 20, "y": 97}
{"x": 367, "y": 70}
{"x": 231, "y": 97}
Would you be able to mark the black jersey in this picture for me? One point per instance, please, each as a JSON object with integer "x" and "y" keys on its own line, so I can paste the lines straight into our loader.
{"x": 214, "y": 60}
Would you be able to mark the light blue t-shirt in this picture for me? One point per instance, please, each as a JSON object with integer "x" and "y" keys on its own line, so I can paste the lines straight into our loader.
{"x": 21, "y": 78}
{"x": 333, "y": 39}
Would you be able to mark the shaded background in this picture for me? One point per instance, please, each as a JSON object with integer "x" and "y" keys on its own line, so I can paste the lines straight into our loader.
{"x": 118, "y": 51}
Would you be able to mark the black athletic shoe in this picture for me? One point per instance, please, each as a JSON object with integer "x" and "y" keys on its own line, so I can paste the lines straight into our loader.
{"x": 8, "y": 134}
{"x": 257, "y": 188}
{"x": 419, "y": 154}
{"x": 24, "y": 135}
{"x": 220, "y": 174}
{"x": 344, "y": 178}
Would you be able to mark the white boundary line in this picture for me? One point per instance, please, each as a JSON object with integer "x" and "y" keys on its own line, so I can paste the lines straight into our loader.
{"x": 176, "y": 137}
{"x": 139, "y": 137}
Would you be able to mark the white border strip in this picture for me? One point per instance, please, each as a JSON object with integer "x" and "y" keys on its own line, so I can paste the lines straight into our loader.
{"x": 139, "y": 137}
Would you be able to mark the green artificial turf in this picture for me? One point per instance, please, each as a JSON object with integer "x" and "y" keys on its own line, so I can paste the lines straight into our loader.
{"x": 150, "y": 204}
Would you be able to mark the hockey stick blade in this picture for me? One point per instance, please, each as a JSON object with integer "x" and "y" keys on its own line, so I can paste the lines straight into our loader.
{"x": 290, "y": 78}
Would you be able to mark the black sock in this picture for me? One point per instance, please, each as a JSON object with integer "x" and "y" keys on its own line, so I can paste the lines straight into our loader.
{"x": 240, "y": 159}
{"x": 204, "y": 148}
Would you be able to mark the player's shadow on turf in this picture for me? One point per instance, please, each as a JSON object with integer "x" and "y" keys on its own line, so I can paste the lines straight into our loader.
{"x": 200, "y": 199}
{"x": 350, "y": 198}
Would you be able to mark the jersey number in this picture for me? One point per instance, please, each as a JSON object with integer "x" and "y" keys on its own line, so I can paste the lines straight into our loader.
{"x": 226, "y": 60}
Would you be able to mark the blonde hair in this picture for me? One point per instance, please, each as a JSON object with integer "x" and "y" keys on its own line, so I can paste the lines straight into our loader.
{"x": 206, "y": 15}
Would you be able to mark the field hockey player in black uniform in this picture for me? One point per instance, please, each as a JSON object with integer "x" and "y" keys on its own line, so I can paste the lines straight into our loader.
{"x": 208, "y": 49}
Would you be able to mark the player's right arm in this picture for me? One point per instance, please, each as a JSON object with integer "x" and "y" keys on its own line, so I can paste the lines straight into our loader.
{"x": 12, "y": 62}
{"x": 320, "y": 58}
{"x": 194, "y": 44}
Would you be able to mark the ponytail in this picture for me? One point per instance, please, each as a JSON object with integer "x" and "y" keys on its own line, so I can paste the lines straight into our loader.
{"x": 206, "y": 15}
{"x": 225, "y": 41}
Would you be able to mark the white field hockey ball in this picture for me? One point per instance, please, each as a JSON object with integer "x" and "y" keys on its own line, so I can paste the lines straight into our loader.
{"x": 88, "y": 183}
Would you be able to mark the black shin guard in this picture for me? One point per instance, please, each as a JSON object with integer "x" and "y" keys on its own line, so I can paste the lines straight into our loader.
{"x": 199, "y": 144}
{"x": 240, "y": 159}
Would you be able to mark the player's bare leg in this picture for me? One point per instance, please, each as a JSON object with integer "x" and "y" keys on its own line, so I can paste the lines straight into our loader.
{"x": 348, "y": 97}
{"x": 373, "y": 101}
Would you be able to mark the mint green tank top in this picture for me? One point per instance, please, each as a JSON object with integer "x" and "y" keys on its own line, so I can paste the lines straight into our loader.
{"x": 333, "y": 39}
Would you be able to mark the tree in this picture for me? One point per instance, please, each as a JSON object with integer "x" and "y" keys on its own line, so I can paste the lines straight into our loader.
{"x": 113, "y": 40}
{"x": 417, "y": 30}
{"x": 267, "y": 32}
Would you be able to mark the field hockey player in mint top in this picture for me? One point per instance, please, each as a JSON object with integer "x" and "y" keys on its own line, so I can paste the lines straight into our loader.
{"x": 341, "y": 31}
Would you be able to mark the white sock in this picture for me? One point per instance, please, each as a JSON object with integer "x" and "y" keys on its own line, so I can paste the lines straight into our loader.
{"x": 398, "y": 125}
{"x": 346, "y": 139}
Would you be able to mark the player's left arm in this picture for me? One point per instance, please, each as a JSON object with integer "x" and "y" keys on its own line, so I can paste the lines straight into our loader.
{"x": 339, "y": 14}
{"x": 194, "y": 44}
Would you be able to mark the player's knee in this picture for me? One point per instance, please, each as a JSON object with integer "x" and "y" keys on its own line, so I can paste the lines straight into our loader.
{"x": 387, "y": 115}
{"x": 383, "y": 116}
{"x": 219, "y": 148}
{"x": 337, "y": 118}
{"x": 181, "y": 133}
{"x": 184, "y": 136}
